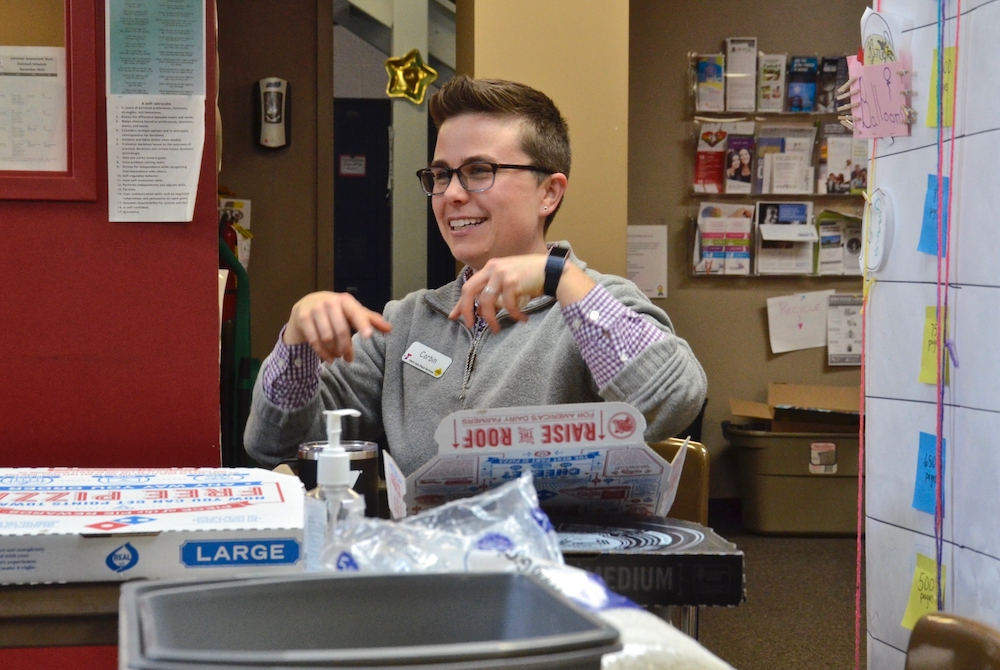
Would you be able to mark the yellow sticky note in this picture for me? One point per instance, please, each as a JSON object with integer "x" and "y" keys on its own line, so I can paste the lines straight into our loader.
{"x": 923, "y": 592}
{"x": 928, "y": 349}
{"x": 949, "y": 89}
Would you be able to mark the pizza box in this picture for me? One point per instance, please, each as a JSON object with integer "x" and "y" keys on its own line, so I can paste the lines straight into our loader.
{"x": 82, "y": 525}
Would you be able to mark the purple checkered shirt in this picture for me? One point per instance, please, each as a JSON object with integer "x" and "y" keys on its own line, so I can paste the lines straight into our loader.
{"x": 608, "y": 333}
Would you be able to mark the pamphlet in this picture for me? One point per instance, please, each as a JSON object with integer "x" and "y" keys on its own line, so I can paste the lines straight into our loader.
{"x": 839, "y": 244}
{"x": 710, "y": 71}
{"x": 785, "y": 138}
{"x": 788, "y": 173}
{"x": 710, "y": 158}
{"x": 741, "y": 74}
{"x": 771, "y": 82}
{"x": 786, "y": 237}
{"x": 802, "y": 83}
{"x": 839, "y": 152}
{"x": 739, "y": 158}
{"x": 765, "y": 145}
{"x": 722, "y": 244}
{"x": 584, "y": 457}
{"x": 859, "y": 166}
{"x": 832, "y": 74}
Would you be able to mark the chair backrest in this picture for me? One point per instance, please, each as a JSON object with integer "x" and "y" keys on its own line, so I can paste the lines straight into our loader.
{"x": 942, "y": 641}
{"x": 691, "y": 503}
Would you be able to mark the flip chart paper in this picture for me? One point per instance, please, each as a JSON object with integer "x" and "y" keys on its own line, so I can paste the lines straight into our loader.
{"x": 923, "y": 591}
{"x": 948, "y": 86}
{"x": 878, "y": 99}
{"x": 929, "y": 229}
{"x": 797, "y": 321}
{"x": 925, "y": 487}
{"x": 928, "y": 349}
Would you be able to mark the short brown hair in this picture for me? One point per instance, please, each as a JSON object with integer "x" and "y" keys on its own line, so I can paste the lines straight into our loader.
{"x": 545, "y": 138}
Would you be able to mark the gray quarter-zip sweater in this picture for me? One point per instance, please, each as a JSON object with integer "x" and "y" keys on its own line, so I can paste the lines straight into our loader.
{"x": 536, "y": 362}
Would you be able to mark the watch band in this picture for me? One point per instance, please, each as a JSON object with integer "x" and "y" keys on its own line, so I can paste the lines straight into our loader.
{"x": 554, "y": 265}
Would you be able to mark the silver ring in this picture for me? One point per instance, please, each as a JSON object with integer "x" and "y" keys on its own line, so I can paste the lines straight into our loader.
{"x": 489, "y": 289}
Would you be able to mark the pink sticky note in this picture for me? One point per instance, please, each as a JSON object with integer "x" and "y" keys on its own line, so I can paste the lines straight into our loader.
{"x": 879, "y": 92}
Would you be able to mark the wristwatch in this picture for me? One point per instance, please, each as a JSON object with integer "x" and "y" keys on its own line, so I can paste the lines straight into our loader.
{"x": 554, "y": 265}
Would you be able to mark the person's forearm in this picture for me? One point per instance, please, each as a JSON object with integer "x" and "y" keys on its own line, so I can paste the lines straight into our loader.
{"x": 608, "y": 333}
{"x": 290, "y": 377}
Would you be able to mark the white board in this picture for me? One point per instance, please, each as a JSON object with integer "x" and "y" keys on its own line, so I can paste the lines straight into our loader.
{"x": 898, "y": 406}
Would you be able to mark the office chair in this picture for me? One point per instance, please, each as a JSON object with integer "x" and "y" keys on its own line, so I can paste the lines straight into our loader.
{"x": 691, "y": 503}
{"x": 942, "y": 641}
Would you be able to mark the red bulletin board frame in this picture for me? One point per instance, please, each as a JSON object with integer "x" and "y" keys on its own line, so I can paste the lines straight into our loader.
{"x": 79, "y": 182}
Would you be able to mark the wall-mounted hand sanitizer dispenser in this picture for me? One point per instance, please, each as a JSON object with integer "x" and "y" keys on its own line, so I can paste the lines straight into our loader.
{"x": 273, "y": 112}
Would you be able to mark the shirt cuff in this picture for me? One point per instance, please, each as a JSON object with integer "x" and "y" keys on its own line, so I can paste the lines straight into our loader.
{"x": 608, "y": 333}
{"x": 291, "y": 375}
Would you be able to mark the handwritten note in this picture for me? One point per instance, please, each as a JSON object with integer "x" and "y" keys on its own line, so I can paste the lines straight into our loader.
{"x": 879, "y": 99}
{"x": 929, "y": 229}
{"x": 925, "y": 488}
{"x": 928, "y": 349}
{"x": 797, "y": 321}
{"x": 923, "y": 591}
{"x": 948, "y": 89}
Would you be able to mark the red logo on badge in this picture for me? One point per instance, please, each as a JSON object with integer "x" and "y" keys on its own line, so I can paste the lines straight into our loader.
{"x": 621, "y": 425}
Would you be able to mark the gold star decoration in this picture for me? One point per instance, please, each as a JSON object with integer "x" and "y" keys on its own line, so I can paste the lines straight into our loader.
{"x": 409, "y": 77}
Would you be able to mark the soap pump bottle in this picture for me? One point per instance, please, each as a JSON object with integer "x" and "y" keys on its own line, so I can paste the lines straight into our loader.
{"x": 333, "y": 502}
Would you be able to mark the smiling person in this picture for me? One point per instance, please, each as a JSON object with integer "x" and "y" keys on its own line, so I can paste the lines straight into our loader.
{"x": 525, "y": 322}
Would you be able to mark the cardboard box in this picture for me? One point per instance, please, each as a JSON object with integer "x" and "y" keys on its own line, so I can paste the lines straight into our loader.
{"x": 795, "y": 408}
{"x": 585, "y": 458}
{"x": 655, "y": 561}
{"x": 80, "y": 525}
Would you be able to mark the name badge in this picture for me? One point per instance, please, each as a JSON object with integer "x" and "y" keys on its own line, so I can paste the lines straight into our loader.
{"x": 426, "y": 359}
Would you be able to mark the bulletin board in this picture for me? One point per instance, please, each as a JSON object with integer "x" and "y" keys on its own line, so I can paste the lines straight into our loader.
{"x": 900, "y": 531}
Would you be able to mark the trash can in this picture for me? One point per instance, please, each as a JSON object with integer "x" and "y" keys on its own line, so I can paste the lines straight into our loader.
{"x": 796, "y": 483}
{"x": 420, "y": 621}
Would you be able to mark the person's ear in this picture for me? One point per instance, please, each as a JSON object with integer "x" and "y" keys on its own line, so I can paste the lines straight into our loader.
{"x": 555, "y": 186}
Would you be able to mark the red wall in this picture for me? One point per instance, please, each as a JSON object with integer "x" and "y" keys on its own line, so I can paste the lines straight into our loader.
{"x": 109, "y": 334}
{"x": 109, "y": 340}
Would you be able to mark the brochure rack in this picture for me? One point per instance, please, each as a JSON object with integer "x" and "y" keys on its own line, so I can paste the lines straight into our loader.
{"x": 750, "y": 164}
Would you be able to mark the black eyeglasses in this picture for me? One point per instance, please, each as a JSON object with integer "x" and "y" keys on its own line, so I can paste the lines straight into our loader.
{"x": 474, "y": 177}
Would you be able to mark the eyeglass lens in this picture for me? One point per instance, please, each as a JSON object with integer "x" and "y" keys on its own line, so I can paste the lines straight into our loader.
{"x": 472, "y": 177}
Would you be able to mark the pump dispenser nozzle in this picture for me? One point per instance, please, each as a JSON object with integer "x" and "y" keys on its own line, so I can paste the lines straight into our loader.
{"x": 334, "y": 465}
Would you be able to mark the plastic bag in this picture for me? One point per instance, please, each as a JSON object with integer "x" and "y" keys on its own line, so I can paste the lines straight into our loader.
{"x": 485, "y": 532}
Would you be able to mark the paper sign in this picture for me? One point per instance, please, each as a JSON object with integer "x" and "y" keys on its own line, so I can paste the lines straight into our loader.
{"x": 843, "y": 329}
{"x": 928, "y": 349}
{"x": 923, "y": 591}
{"x": 925, "y": 489}
{"x": 878, "y": 99}
{"x": 395, "y": 486}
{"x": 929, "y": 230}
{"x": 949, "y": 89}
{"x": 797, "y": 321}
{"x": 647, "y": 259}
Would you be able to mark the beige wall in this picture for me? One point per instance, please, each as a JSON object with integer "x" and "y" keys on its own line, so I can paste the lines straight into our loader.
{"x": 291, "y": 189}
{"x": 723, "y": 318}
{"x": 576, "y": 51}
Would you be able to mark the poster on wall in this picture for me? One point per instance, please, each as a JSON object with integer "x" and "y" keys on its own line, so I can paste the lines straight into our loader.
{"x": 33, "y": 109}
{"x": 647, "y": 259}
{"x": 155, "y": 57}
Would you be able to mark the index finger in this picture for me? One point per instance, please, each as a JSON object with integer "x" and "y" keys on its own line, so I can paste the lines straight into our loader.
{"x": 364, "y": 320}
{"x": 465, "y": 308}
